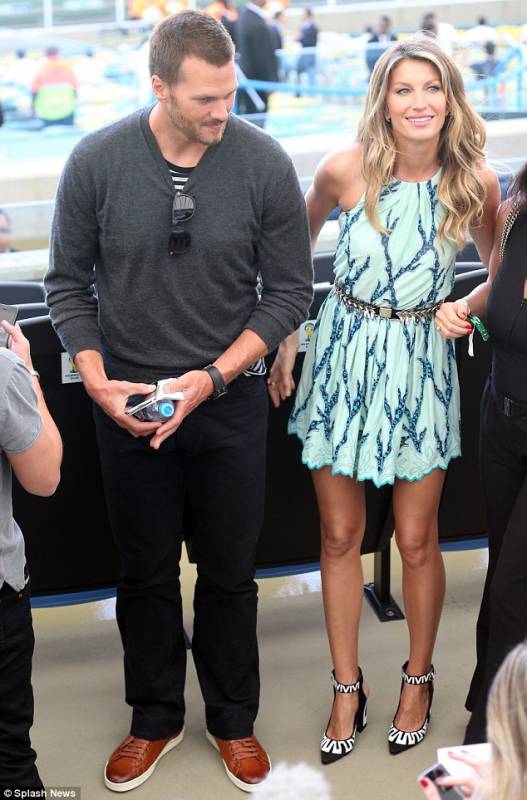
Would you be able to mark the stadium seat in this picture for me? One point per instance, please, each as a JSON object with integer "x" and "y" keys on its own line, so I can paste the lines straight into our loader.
{"x": 468, "y": 266}
{"x": 15, "y": 292}
{"x": 68, "y": 539}
{"x": 28, "y": 310}
{"x": 323, "y": 267}
{"x": 461, "y": 515}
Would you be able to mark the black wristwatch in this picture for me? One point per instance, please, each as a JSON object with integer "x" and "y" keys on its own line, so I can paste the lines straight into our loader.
{"x": 217, "y": 380}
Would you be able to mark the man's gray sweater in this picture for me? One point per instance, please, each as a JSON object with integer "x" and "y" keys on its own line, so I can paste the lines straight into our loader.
{"x": 153, "y": 315}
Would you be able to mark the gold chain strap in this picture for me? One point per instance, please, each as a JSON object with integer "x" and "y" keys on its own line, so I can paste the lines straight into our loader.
{"x": 510, "y": 219}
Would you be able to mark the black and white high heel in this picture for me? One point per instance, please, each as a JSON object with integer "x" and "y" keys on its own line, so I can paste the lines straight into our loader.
{"x": 333, "y": 749}
{"x": 398, "y": 740}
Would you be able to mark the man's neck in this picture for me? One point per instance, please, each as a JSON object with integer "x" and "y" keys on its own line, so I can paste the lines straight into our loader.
{"x": 174, "y": 146}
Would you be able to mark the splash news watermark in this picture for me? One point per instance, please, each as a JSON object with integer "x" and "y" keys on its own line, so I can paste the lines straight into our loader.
{"x": 47, "y": 793}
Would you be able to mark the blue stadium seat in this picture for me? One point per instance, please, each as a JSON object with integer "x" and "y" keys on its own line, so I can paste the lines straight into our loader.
{"x": 15, "y": 292}
{"x": 28, "y": 310}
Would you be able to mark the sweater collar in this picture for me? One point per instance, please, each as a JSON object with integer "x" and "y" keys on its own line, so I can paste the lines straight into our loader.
{"x": 202, "y": 167}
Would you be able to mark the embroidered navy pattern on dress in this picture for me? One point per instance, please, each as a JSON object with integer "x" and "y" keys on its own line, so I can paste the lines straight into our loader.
{"x": 379, "y": 397}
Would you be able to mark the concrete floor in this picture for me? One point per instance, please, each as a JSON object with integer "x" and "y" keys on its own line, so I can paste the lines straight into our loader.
{"x": 80, "y": 714}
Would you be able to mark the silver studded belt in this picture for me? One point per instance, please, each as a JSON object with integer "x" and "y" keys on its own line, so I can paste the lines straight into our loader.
{"x": 420, "y": 314}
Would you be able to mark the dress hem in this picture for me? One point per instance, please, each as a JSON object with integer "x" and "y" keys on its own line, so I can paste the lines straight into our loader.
{"x": 361, "y": 478}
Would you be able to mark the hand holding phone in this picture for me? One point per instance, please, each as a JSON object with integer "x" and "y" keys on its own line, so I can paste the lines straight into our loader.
{"x": 155, "y": 407}
{"x": 9, "y": 314}
{"x": 443, "y": 792}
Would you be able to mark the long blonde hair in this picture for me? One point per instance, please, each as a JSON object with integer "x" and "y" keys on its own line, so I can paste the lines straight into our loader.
{"x": 461, "y": 188}
{"x": 507, "y": 730}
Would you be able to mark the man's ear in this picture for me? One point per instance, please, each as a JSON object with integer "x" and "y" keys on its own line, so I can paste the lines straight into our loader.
{"x": 159, "y": 88}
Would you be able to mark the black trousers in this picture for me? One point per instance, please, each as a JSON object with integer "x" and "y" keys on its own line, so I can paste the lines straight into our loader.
{"x": 17, "y": 758}
{"x": 207, "y": 480}
{"x": 502, "y": 622}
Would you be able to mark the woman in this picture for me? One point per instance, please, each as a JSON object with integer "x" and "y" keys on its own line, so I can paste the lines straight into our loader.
{"x": 502, "y": 619}
{"x": 505, "y": 776}
{"x": 378, "y": 398}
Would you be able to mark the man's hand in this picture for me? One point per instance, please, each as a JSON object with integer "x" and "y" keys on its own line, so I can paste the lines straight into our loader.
{"x": 18, "y": 343}
{"x": 111, "y": 396}
{"x": 197, "y": 386}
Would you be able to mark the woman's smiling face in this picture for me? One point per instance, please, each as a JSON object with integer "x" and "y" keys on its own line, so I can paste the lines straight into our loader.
{"x": 416, "y": 103}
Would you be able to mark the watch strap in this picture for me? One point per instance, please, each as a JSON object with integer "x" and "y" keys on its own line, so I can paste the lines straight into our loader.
{"x": 217, "y": 381}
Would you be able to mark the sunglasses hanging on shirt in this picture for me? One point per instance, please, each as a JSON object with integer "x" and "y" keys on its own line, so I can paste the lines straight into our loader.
{"x": 183, "y": 208}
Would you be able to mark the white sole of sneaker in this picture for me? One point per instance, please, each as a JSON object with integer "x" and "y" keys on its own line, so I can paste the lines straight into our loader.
{"x": 135, "y": 782}
{"x": 245, "y": 787}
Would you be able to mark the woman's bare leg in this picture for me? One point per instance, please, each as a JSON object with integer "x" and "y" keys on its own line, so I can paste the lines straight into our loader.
{"x": 342, "y": 522}
{"x": 415, "y": 506}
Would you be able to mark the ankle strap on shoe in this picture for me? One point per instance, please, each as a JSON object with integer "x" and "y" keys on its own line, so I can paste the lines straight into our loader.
{"x": 418, "y": 680}
{"x": 346, "y": 688}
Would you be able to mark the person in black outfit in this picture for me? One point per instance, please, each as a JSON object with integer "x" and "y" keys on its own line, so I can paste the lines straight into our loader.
{"x": 257, "y": 58}
{"x": 502, "y": 622}
{"x": 229, "y": 20}
{"x": 277, "y": 30}
{"x": 308, "y": 38}
{"x": 277, "y": 37}
{"x": 379, "y": 41}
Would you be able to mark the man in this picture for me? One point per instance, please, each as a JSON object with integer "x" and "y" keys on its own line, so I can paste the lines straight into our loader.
{"x": 257, "y": 58}
{"x": 443, "y": 32}
{"x": 54, "y": 90}
{"x": 379, "y": 41}
{"x": 490, "y": 66}
{"x": 276, "y": 29}
{"x": 176, "y": 296}
{"x": 308, "y": 38}
{"x": 5, "y": 232}
{"x": 30, "y": 446}
{"x": 481, "y": 33}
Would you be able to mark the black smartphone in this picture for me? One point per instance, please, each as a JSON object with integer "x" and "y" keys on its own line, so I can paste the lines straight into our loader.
{"x": 445, "y": 792}
{"x": 9, "y": 313}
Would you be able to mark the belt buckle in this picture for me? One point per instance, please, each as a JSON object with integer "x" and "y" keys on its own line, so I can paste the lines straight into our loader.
{"x": 385, "y": 312}
{"x": 507, "y": 406}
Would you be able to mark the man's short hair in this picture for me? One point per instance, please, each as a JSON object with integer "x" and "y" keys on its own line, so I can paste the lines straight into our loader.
{"x": 188, "y": 34}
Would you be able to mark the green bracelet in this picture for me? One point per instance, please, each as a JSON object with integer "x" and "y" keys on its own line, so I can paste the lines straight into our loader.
{"x": 477, "y": 323}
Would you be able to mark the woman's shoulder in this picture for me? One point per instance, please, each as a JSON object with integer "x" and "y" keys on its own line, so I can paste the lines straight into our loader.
{"x": 490, "y": 179}
{"x": 342, "y": 164}
{"x": 339, "y": 170}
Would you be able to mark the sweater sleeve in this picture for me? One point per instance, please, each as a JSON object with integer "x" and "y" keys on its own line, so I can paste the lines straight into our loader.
{"x": 284, "y": 259}
{"x": 70, "y": 280}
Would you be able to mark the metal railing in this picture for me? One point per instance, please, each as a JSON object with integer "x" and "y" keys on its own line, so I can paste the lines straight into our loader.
{"x": 334, "y": 98}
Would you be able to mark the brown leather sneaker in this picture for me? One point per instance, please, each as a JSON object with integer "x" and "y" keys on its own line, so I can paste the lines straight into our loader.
{"x": 245, "y": 761}
{"x": 132, "y": 763}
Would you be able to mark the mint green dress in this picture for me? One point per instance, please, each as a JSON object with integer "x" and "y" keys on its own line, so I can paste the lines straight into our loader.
{"x": 378, "y": 398}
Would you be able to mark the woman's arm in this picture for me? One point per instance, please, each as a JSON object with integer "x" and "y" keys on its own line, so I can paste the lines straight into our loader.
{"x": 452, "y": 317}
{"x": 483, "y": 234}
{"x": 477, "y": 299}
{"x": 321, "y": 198}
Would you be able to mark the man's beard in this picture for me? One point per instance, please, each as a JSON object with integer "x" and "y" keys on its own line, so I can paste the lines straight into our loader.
{"x": 191, "y": 130}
